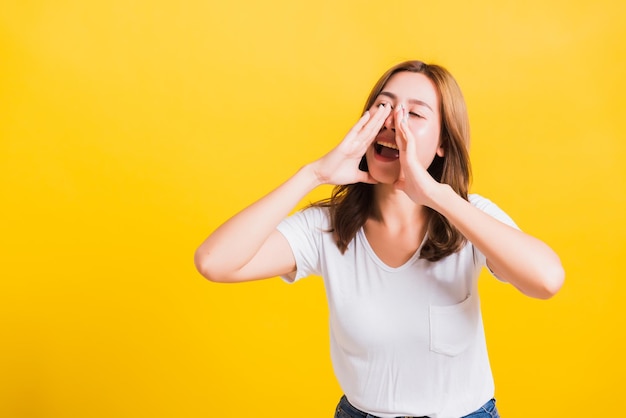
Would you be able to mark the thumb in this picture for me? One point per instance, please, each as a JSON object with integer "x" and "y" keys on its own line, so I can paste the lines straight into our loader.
{"x": 399, "y": 184}
{"x": 367, "y": 178}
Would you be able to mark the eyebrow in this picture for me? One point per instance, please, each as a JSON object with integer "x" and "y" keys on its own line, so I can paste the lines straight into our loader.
{"x": 412, "y": 101}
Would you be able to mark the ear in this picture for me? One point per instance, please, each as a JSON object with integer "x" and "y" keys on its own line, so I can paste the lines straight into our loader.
{"x": 440, "y": 151}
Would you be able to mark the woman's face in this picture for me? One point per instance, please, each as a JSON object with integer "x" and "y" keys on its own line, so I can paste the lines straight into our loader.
{"x": 418, "y": 95}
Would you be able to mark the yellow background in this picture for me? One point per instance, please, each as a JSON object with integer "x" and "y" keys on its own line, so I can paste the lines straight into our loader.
{"x": 129, "y": 130}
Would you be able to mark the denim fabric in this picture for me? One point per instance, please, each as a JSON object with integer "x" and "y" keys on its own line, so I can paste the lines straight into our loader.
{"x": 488, "y": 410}
{"x": 346, "y": 410}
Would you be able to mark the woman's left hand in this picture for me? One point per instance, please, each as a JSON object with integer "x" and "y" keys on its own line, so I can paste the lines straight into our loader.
{"x": 414, "y": 179}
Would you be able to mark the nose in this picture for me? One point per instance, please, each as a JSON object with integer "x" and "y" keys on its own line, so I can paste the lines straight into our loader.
{"x": 390, "y": 122}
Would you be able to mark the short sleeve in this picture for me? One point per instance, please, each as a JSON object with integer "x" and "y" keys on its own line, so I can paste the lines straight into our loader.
{"x": 492, "y": 209}
{"x": 303, "y": 231}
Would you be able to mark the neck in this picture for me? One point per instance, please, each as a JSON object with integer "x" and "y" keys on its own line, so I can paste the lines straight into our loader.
{"x": 396, "y": 209}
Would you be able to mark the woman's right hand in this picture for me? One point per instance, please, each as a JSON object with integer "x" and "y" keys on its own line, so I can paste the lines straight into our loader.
{"x": 248, "y": 246}
{"x": 341, "y": 165}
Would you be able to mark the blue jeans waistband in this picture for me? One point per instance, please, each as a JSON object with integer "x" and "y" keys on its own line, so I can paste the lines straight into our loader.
{"x": 346, "y": 410}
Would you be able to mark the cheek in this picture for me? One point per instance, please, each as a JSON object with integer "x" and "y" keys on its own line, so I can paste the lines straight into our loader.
{"x": 427, "y": 141}
{"x": 426, "y": 135}
{"x": 423, "y": 128}
{"x": 420, "y": 130}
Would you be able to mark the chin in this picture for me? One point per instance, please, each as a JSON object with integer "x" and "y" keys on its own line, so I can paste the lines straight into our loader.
{"x": 385, "y": 173}
{"x": 384, "y": 177}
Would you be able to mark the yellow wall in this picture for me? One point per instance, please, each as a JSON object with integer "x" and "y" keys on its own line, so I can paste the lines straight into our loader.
{"x": 129, "y": 130}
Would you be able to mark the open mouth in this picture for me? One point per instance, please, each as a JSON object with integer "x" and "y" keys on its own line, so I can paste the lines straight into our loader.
{"x": 387, "y": 150}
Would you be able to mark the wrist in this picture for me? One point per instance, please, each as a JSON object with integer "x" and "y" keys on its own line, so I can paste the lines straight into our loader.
{"x": 440, "y": 197}
{"x": 312, "y": 175}
{"x": 318, "y": 176}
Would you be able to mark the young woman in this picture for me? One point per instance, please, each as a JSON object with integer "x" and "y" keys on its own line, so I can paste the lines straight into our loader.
{"x": 400, "y": 245}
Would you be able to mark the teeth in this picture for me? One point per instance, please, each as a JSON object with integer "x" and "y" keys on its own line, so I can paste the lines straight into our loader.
{"x": 387, "y": 144}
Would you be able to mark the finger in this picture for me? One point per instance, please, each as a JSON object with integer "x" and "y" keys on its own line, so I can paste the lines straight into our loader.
{"x": 409, "y": 159}
{"x": 407, "y": 135}
{"x": 365, "y": 130}
{"x": 360, "y": 123}
{"x": 401, "y": 175}
{"x": 366, "y": 178}
{"x": 399, "y": 184}
{"x": 402, "y": 131}
{"x": 383, "y": 110}
{"x": 378, "y": 119}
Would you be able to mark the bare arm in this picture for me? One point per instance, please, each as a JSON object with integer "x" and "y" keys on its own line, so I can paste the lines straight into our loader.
{"x": 248, "y": 245}
{"x": 516, "y": 257}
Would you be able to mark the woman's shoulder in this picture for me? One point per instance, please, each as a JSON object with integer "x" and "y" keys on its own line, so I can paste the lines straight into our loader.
{"x": 479, "y": 201}
{"x": 490, "y": 207}
{"x": 313, "y": 215}
{"x": 315, "y": 210}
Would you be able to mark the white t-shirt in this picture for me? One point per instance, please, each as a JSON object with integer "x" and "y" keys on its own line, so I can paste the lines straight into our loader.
{"x": 407, "y": 340}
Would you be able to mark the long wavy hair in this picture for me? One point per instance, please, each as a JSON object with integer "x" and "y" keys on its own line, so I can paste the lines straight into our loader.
{"x": 351, "y": 205}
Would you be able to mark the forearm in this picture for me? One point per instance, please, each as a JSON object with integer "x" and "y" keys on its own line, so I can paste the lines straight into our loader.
{"x": 248, "y": 246}
{"x": 516, "y": 257}
{"x": 231, "y": 246}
